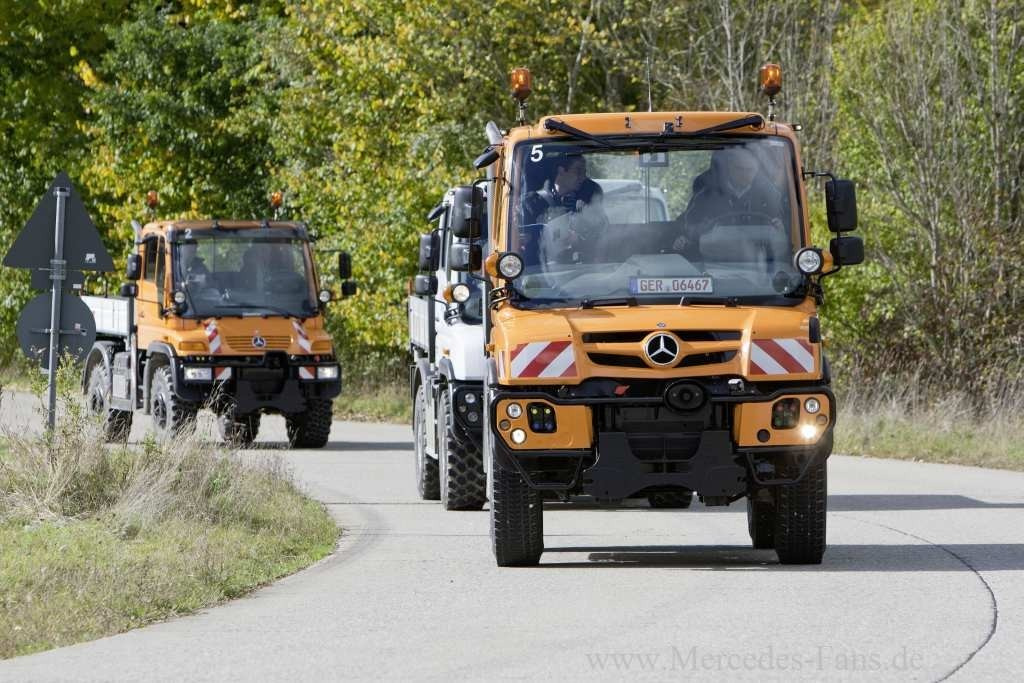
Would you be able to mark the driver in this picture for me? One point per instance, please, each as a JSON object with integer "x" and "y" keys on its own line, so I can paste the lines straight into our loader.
{"x": 733, "y": 188}
{"x": 571, "y": 203}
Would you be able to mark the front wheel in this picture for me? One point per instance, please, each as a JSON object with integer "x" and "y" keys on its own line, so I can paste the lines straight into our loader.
{"x": 463, "y": 481}
{"x": 800, "y": 511}
{"x": 427, "y": 478}
{"x": 517, "y": 520}
{"x": 117, "y": 424}
{"x": 310, "y": 429}
{"x": 172, "y": 416}
{"x": 760, "y": 523}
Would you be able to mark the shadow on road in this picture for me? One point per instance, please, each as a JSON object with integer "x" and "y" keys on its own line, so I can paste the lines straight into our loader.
{"x": 343, "y": 446}
{"x": 838, "y": 558}
{"x": 836, "y": 503}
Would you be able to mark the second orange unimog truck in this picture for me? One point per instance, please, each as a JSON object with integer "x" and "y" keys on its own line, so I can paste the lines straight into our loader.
{"x": 638, "y": 357}
{"x": 218, "y": 314}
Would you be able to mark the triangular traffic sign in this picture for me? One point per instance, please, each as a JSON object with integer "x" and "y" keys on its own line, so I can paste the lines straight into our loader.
{"x": 83, "y": 248}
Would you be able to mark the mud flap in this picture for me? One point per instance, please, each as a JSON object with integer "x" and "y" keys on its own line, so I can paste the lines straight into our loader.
{"x": 618, "y": 474}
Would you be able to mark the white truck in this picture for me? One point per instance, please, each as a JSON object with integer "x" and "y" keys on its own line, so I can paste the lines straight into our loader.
{"x": 446, "y": 372}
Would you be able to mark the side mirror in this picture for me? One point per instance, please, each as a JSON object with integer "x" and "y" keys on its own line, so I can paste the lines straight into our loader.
{"x": 134, "y": 268}
{"x": 348, "y": 288}
{"x": 464, "y": 215}
{"x": 489, "y": 156}
{"x": 847, "y": 251}
{"x": 841, "y": 205}
{"x": 344, "y": 265}
{"x": 424, "y": 285}
{"x": 464, "y": 258}
{"x": 128, "y": 290}
{"x": 430, "y": 251}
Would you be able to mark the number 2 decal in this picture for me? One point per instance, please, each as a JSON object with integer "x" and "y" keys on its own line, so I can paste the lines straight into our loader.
{"x": 536, "y": 153}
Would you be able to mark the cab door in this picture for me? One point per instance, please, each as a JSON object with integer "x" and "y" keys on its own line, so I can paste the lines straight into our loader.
{"x": 150, "y": 302}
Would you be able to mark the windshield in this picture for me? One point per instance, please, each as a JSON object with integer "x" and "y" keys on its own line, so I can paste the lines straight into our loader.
{"x": 235, "y": 274}
{"x": 656, "y": 221}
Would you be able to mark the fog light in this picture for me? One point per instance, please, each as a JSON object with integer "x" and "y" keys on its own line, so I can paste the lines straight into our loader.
{"x": 812, "y": 405}
{"x": 822, "y": 420}
{"x": 470, "y": 399}
{"x": 504, "y": 425}
{"x": 461, "y": 293}
{"x": 518, "y": 436}
{"x": 179, "y": 297}
{"x": 785, "y": 413}
{"x": 808, "y": 261}
{"x": 510, "y": 265}
{"x": 514, "y": 410}
{"x": 325, "y": 296}
{"x": 808, "y": 432}
{"x": 473, "y": 417}
{"x": 194, "y": 374}
{"x": 327, "y": 372}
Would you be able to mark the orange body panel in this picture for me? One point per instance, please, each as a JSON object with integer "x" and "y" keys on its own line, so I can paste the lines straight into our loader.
{"x": 574, "y": 427}
{"x": 753, "y": 417}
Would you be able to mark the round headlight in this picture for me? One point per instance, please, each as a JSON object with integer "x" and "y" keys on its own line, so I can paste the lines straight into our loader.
{"x": 470, "y": 398}
{"x": 518, "y": 436}
{"x": 325, "y": 296}
{"x": 460, "y": 293}
{"x": 514, "y": 410}
{"x": 179, "y": 297}
{"x": 510, "y": 266}
{"x": 808, "y": 261}
{"x": 812, "y": 405}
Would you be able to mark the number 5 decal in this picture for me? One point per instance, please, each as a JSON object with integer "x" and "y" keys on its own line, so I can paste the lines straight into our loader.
{"x": 536, "y": 153}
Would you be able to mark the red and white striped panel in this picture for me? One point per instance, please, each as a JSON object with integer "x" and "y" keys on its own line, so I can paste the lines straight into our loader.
{"x": 301, "y": 338}
{"x": 213, "y": 336}
{"x": 221, "y": 374}
{"x": 781, "y": 356}
{"x": 543, "y": 360}
{"x": 307, "y": 372}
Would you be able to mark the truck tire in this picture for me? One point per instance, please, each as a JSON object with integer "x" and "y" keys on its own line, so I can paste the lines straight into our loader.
{"x": 517, "y": 520}
{"x": 760, "y": 523}
{"x": 427, "y": 479}
{"x": 238, "y": 430}
{"x": 463, "y": 481}
{"x": 117, "y": 424}
{"x": 172, "y": 417}
{"x": 678, "y": 500}
{"x": 800, "y": 511}
{"x": 310, "y": 429}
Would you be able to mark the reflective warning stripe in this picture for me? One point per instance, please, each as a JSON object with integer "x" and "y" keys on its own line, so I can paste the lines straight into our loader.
{"x": 221, "y": 374}
{"x": 301, "y": 338}
{"x": 213, "y": 336}
{"x": 543, "y": 360}
{"x": 781, "y": 356}
{"x": 307, "y": 372}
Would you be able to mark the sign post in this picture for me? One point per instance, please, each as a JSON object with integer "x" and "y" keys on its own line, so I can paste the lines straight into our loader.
{"x": 74, "y": 246}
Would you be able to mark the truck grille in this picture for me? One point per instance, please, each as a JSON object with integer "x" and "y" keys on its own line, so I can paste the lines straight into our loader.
{"x": 690, "y": 361}
{"x": 638, "y": 335}
{"x": 243, "y": 343}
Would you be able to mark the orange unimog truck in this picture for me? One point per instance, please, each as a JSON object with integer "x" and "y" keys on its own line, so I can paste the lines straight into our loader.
{"x": 224, "y": 315}
{"x": 628, "y": 356}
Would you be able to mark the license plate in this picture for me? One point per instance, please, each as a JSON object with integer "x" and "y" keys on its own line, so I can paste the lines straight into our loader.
{"x": 670, "y": 285}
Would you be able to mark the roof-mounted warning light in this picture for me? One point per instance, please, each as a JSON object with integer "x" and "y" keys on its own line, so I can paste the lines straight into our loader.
{"x": 771, "y": 85}
{"x": 521, "y": 82}
{"x": 152, "y": 201}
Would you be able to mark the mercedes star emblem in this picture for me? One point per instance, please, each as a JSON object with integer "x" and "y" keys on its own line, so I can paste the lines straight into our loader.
{"x": 662, "y": 349}
{"x": 258, "y": 342}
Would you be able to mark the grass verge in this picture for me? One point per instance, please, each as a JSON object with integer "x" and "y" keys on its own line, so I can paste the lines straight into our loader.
{"x": 98, "y": 539}
{"x": 370, "y": 402}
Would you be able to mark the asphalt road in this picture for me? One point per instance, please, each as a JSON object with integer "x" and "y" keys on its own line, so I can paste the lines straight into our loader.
{"x": 923, "y": 580}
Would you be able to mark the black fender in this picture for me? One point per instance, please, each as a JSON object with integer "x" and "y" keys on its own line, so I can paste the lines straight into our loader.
{"x": 419, "y": 372}
{"x": 154, "y": 350}
{"x": 101, "y": 352}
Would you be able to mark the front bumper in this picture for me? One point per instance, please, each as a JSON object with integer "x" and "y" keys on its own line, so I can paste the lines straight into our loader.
{"x": 636, "y": 444}
{"x": 259, "y": 384}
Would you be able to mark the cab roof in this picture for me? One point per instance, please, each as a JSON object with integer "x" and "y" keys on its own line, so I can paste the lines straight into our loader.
{"x": 646, "y": 123}
{"x": 211, "y": 223}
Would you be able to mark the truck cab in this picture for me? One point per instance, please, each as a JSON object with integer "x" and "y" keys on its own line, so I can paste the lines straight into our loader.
{"x": 223, "y": 315}
{"x": 655, "y": 352}
{"x": 445, "y": 309}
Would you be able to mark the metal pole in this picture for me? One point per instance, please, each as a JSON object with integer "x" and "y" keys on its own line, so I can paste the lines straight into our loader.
{"x": 57, "y": 274}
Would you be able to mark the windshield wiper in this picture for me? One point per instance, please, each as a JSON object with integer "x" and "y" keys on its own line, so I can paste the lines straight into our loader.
{"x": 275, "y": 309}
{"x": 755, "y": 120}
{"x": 608, "y": 301}
{"x": 563, "y": 127}
{"x": 730, "y": 301}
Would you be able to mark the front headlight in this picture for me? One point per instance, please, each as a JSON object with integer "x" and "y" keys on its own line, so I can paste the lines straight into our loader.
{"x": 327, "y": 372}
{"x": 196, "y": 374}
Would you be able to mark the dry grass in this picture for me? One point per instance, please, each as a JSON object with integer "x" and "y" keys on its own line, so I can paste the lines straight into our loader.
{"x": 372, "y": 402}
{"x": 912, "y": 417}
{"x": 98, "y": 539}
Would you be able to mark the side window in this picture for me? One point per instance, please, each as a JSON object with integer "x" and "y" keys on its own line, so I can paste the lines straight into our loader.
{"x": 160, "y": 260}
{"x": 151, "y": 258}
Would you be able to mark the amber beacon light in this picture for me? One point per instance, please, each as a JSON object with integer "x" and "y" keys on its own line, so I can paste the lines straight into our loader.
{"x": 771, "y": 79}
{"x": 522, "y": 83}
